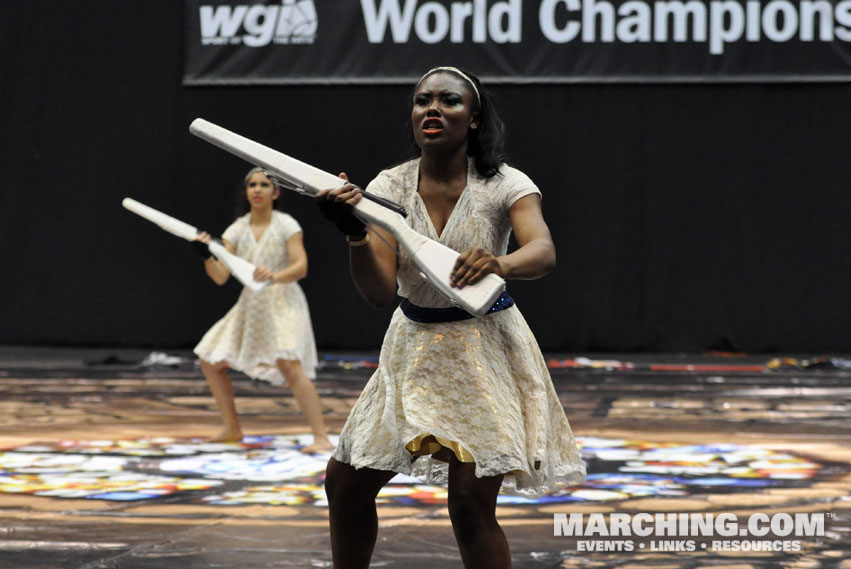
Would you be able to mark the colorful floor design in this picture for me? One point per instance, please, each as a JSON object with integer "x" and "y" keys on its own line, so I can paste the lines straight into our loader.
{"x": 270, "y": 470}
{"x": 703, "y": 435}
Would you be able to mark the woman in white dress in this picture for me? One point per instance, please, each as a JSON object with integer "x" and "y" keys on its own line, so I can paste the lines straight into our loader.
{"x": 267, "y": 334}
{"x": 458, "y": 399}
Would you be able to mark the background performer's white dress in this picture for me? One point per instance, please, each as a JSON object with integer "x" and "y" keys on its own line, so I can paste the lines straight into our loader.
{"x": 266, "y": 325}
{"x": 480, "y": 386}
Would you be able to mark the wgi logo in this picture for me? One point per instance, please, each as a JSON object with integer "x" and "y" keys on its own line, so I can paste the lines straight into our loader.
{"x": 256, "y": 25}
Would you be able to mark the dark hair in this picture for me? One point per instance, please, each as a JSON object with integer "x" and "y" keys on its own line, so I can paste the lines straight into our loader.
{"x": 242, "y": 205}
{"x": 487, "y": 142}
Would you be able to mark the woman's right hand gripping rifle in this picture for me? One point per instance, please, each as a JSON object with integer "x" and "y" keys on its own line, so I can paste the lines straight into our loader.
{"x": 373, "y": 267}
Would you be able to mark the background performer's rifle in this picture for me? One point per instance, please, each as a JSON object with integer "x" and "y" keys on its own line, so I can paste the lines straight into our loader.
{"x": 239, "y": 267}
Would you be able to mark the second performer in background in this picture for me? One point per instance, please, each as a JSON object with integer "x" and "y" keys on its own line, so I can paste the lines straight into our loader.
{"x": 268, "y": 333}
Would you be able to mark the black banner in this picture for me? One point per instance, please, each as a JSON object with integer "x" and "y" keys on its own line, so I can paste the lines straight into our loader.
{"x": 232, "y": 42}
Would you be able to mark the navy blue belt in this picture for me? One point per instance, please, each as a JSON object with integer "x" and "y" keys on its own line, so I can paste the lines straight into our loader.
{"x": 451, "y": 314}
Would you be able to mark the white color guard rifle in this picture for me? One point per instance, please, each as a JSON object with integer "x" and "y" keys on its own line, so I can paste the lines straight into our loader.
{"x": 434, "y": 260}
{"x": 239, "y": 267}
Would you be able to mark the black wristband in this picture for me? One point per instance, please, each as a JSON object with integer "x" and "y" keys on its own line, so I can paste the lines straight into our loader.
{"x": 201, "y": 249}
{"x": 342, "y": 216}
{"x": 357, "y": 236}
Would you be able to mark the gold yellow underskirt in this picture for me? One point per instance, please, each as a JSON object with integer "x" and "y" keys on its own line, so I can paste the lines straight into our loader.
{"x": 434, "y": 445}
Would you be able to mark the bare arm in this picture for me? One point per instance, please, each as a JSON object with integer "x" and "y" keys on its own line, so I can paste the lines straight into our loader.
{"x": 297, "y": 269}
{"x": 373, "y": 268}
{"x": 535, "y": 257}
{"x": 216, "y": 270}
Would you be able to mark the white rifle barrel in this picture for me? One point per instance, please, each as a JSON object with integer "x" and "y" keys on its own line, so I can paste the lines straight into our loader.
{"x": 305, "y": 177}
{"x": 166, "y": 222}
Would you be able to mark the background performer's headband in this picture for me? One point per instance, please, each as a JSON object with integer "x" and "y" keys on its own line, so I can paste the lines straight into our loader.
{"x": 457, "y": 72}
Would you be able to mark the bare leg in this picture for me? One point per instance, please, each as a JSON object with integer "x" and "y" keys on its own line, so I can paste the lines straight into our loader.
{"x": 220, "y": 385}
{"x": 351, "y": 508}
{"x": 308, "y": 401}
{"x": 472, "y": 509}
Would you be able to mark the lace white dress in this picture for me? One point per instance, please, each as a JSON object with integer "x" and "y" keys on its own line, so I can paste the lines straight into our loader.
{"x": 267, "y": 325}
{"x": 479, "y": 387}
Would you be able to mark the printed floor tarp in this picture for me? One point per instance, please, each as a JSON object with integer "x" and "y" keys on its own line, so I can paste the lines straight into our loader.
{"x": 270, "y": 470}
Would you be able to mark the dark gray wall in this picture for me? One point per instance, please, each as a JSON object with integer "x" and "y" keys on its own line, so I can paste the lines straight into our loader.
{"x": 687, "y": 217}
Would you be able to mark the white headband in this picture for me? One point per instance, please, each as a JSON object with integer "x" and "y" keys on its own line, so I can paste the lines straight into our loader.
{"x": 457, "y": 72}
